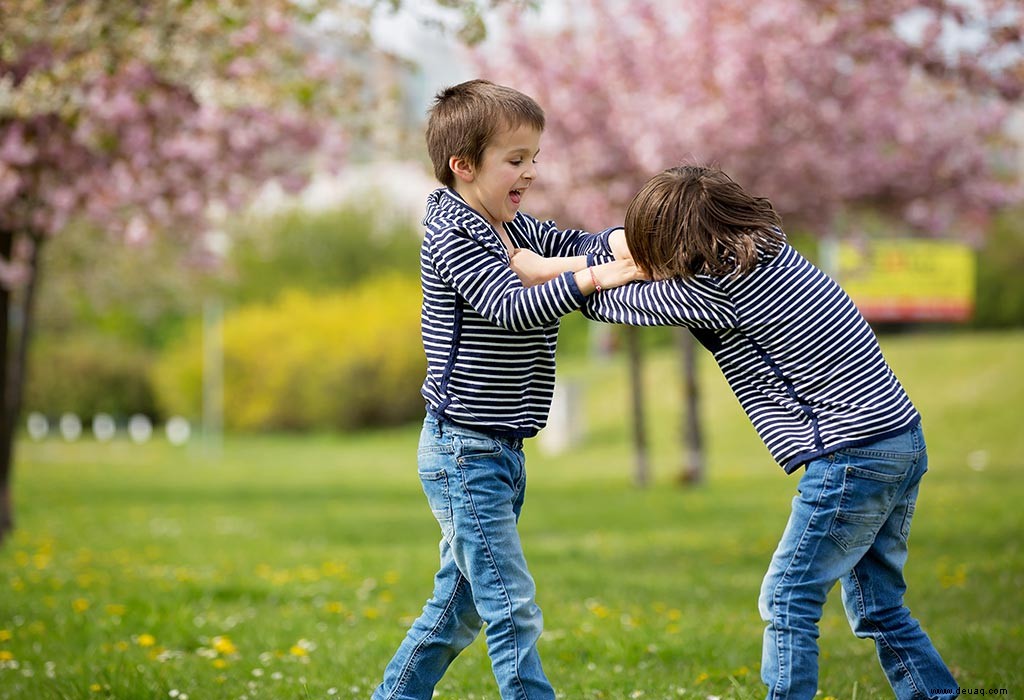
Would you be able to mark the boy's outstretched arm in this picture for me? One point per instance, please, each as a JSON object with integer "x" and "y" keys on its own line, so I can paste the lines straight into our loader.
{"x": 554, "y": 243}
{"x": 487, "y": 283}
{"x": 696, "y": 303}
{"x": 534, "y": 269}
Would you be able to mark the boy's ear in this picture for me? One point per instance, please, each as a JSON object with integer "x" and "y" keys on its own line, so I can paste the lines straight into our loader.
{"x": 461, "y": 168}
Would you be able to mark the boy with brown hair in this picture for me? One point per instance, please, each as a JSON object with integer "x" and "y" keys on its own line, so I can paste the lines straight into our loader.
{"x": 490, "y": 347}
{"x": 808, "y": 371}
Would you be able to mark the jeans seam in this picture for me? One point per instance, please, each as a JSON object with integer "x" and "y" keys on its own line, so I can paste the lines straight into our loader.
{"x": 504, "y": 588}
{"x": 403, "y": 679}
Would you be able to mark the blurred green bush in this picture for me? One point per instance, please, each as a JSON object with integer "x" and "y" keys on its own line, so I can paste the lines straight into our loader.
{"x": 1000, "y": 291}
{"x": 87, "y": 374}
{"x": 344, "y": 360}
{"x": 317, "y": 251}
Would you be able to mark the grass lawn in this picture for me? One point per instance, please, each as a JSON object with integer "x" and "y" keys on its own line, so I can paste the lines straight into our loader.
{"x": 289, "y": 566}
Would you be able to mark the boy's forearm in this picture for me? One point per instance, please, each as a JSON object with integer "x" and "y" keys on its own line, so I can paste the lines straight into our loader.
{"x": 558, "y": 266}
{"x": 606, "y": 276}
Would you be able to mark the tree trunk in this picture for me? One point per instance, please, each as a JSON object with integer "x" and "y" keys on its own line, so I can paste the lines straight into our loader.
{"x": 15, "y": 364}
{"x": 692, "y": 471}
{"x": 641, "y": 473}
{"x": 6, "y": 434}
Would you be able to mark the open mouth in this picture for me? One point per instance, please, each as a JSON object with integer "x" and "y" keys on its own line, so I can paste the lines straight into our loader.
{"x": 516, "y": 196}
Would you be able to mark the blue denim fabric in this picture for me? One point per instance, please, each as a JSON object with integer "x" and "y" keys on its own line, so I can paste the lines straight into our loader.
{"x": 475, "y": 485}
{"x": 849, "y": 523}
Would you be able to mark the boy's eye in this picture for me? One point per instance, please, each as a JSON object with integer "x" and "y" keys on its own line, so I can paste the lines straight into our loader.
{"x": 517, "y": 161}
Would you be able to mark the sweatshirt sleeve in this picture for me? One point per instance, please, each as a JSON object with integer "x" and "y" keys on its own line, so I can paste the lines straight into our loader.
{"x": 487, "y": 283}
{"x": 695, "y": 303}
{"x": 555, "y": 243}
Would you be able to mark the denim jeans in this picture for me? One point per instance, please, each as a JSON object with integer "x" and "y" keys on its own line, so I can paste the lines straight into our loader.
{"x": 849, "y": 523}
{"x": 475, "y": 485}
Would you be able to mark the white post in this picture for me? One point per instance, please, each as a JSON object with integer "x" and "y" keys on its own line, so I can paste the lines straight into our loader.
{"x": 213, "y": 376}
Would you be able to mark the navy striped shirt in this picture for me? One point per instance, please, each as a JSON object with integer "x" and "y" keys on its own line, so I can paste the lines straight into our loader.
{"x": 489, "y": 341}
{"x": 804, "y": 364}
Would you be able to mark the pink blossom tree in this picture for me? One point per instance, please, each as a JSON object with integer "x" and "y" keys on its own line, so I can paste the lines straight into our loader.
{"x": 828, "y": 107}
{"x": 136, "y": 117}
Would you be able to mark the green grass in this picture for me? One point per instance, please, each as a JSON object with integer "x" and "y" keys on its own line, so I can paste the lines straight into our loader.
{"x": 289, "y": 567}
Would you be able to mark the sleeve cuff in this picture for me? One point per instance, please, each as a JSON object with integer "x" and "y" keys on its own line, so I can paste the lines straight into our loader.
{"x": 574, "y": 289}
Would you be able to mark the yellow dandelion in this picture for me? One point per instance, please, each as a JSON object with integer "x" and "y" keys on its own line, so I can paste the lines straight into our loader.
{"x": 956, "y": 579}
{"x": 5, "y": 635}
{"x": 224, "y": 645}
{"x": 116, "y": 610}
{"x": 6, "y": 655}
{"x": 702, "y": 677}
{"x": 145, "y": 640}
{"x": 296, "y": 650}
{"x": 95, "y": 687}
{"x": 371, "y": 613}
{"x": 334, "y": 607}
{"x": 391, "y": 577}
{"x": 220, "y": 663}
{"x": 80, "y": 605}
{"x": 308, "y": 574}
{"x": 121, "y": 646}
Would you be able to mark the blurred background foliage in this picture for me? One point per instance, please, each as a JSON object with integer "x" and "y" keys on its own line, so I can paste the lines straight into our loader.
{"x": 1000, "y": 284}
{"x": 337, "y": 360}
{"x": 316, "y": 250}
{"x": 321, "y": 324}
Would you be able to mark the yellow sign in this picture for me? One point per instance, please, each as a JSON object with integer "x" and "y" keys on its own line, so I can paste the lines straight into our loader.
{"x": 907, "y": 279}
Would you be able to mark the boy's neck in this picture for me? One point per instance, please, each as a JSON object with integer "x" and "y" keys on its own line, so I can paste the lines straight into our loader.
{"x": 497, "y": 227}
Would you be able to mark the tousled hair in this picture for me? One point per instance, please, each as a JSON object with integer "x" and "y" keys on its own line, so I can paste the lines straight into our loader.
{"x": 465, "y": 118}
{"x": 695, "y": 220}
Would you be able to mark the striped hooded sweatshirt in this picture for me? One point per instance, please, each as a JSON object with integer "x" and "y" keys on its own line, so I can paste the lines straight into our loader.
{"x": 804, "y": 364}
{"x": 489, "y": 341}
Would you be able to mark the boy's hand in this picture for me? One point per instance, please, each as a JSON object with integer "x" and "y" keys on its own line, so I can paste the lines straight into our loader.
{"x": 617, "y": 241}
{"x": 533, "y": 269}
{"x": 609, "y": 275}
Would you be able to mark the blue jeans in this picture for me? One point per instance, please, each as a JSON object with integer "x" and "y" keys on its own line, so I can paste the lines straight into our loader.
{"x": 850, "y": 523}
{"x": 475, "y": 485}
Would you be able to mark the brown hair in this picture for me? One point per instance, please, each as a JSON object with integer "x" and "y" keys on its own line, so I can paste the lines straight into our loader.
{"x": 465, "y": 117}
{"x": 692, "y": 220}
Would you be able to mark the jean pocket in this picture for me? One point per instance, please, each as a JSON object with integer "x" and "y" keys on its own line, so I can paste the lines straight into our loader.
{"x": 435, "y": 486}
{"x": 865, "y": 503}
{"x": 470, "y": 448}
